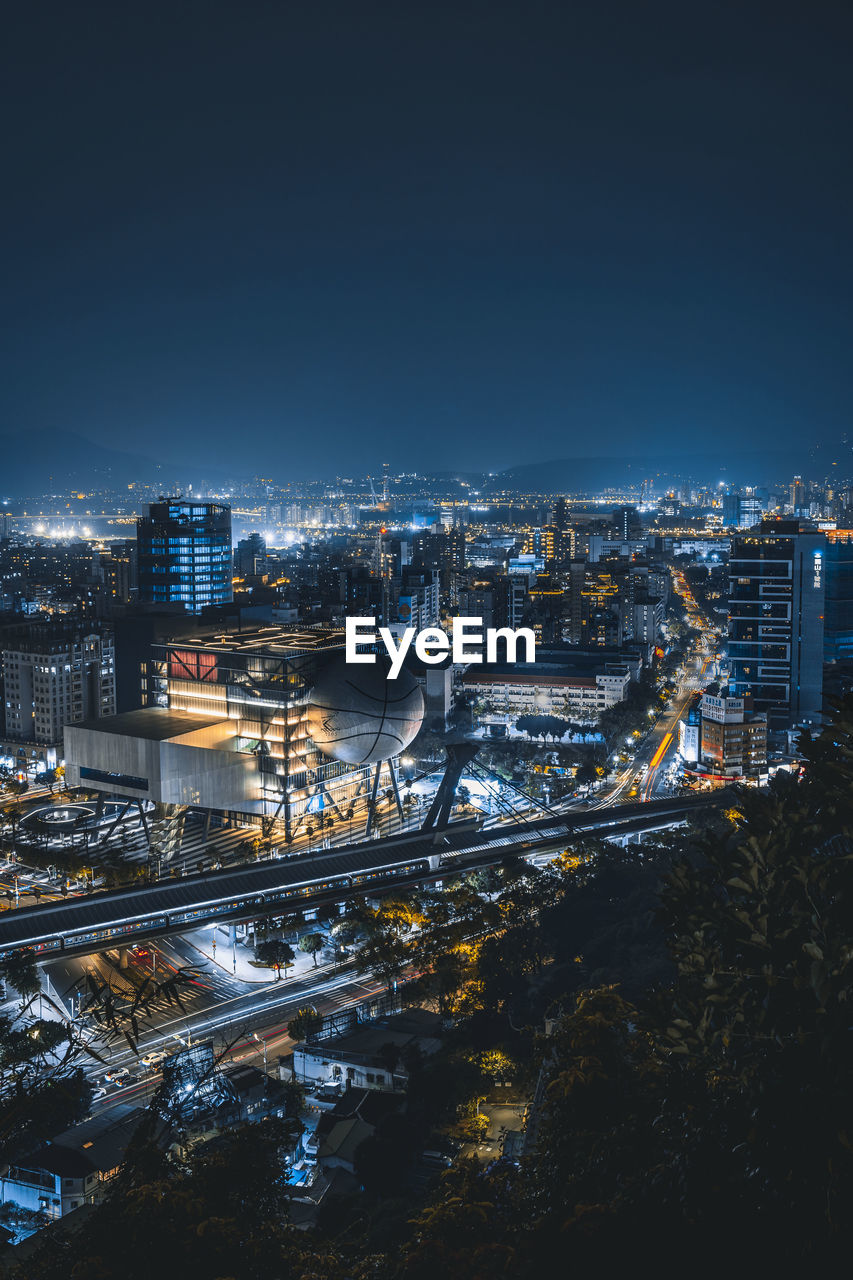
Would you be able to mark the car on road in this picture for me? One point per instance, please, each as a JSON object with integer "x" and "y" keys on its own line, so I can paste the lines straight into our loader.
{"x": 154, "y": 1058}
{"x": 116, "y": 1074}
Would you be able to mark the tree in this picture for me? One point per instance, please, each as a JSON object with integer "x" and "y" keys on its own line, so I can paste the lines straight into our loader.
{"x": 347, "y": 930}
{"x": 474, "y": 1225}
{"x": 383, "y": 954}
{"x": 486, "y": 880}
{"x": 586, "y": 774}
{"x": 276, "y": 954}
{"x": 306, "y": 1021}
{"x": 312, "y": 943}
{"x": 328, "y": 913}
{"x": 21, "y": 972}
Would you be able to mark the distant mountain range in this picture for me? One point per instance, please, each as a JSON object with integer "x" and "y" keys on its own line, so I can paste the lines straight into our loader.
{"x": 52, "y": 460}
{"x": 592, "y": 475}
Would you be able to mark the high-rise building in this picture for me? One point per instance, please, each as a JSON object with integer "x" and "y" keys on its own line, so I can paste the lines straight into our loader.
{"x": 417, "y": 601}
{"x": 628, "y": 523}
{"x": 115, "y": 571}
{"x": 596, "y": 599}
{"x": 731, "y": 510}
{"x": 55, "y": 673}
{"x": 443, "y": 551}
{"x": 838, "y": 613}
{"x": 553, "y": 544}
{"x": 777, "y": 582}
{"x": 250, "y": 558}
{"x": 741, "y": 510}
{"x": 184, "y": 554}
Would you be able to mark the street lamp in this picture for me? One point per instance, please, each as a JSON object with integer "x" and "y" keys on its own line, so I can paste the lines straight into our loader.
{"x": 263, "y": 1045}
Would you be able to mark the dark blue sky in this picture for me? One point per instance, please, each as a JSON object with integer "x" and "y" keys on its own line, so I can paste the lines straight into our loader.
{"x": 307, "y": 238}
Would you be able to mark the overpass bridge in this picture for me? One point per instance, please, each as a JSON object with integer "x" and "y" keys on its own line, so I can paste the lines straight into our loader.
{"x": 79, "y": 926}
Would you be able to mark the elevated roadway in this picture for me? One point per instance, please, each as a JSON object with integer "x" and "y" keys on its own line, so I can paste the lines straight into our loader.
{"x": 85, "y": 924}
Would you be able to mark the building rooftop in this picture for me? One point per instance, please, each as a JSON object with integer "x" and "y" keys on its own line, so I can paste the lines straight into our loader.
{"x": 286, "y": 641}
{"x": 96, "y": 1145}
{"x": 154, "y": 724}
{"x": 368, "y": 1039}
{"x": 355, "y": 1117}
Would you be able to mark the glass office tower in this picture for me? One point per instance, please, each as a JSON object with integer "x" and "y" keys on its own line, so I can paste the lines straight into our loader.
{"x": 184, "y": 554}
{"x": 777, "y": 586}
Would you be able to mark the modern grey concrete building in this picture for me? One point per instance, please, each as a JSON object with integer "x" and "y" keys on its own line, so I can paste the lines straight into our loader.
{"x": 226, "y": 730}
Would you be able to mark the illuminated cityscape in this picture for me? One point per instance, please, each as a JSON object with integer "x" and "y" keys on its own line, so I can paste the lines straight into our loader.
{"x": 426, "y": 643}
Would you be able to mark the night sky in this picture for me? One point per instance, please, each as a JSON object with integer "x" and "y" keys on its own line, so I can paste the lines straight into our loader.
{"x": 302, "y": 239}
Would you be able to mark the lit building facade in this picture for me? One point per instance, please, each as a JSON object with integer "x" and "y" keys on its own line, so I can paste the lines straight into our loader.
{"x": 184, "y": 554}
{"x": 733, "y": 737}
{"x": 571, "y": 687}
{"x": 55, "y": 674}
{"x": 259, "y": 683}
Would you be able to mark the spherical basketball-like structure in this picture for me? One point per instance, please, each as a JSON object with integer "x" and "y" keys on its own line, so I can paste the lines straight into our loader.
{"x": 357, "y": 715}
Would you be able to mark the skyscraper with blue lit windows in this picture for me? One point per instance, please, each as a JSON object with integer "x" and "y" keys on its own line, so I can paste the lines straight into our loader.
{"x": 184, "y": 553}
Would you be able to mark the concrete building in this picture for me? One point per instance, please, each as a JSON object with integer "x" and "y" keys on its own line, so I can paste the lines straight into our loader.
{"x": 595, "y": 616}
{"x": 184, "y": 554}
{"x": 602, "y": 547}
{"x": 733, "y": 737}
{"x": 172, "y": 757}
{"x": 777, "y": 587}
{"x": 115, "y": 572}
{"x": 55, "y": 674}
{"x": 628, "y": 523}
{"x": 648, "y": 618}
{"x": 418, "y": 599}
{"x": 73, "y": 1169}
{"x": 371, "y": 1055}
{"x": 226, "y": 729}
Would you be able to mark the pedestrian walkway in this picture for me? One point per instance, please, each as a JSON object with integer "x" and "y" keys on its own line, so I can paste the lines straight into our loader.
{"x": 238, "y": 960}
